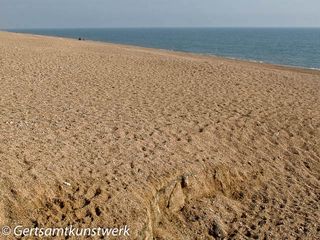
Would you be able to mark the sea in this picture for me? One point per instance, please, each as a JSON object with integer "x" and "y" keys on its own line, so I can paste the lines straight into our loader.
{"x": 299, "y": 47}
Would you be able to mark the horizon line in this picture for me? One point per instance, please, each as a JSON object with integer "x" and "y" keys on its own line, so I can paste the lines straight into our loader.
{"x": 153, "y": 27}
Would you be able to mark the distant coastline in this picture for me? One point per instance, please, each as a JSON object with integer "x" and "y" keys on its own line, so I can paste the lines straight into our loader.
{"x": 289, "y": 47}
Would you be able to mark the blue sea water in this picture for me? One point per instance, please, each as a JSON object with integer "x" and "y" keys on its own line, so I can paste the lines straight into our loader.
{"x": 283, "y": 46}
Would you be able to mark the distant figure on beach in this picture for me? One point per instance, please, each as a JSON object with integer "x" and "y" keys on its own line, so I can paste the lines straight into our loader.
{"x": 79, "y": 39}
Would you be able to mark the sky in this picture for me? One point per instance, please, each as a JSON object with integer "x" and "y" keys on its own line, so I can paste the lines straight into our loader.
{"x": 158, "y": 13}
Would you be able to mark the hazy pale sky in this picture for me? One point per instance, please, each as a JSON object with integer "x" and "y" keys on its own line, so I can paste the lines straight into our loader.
{"x": 158, "y": 13}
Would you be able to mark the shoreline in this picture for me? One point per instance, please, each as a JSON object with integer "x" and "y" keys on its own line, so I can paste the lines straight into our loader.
{"x": 263, "y": 63}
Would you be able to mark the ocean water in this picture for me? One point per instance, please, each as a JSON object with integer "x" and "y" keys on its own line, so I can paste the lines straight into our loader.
{"x": 283, "y": 46}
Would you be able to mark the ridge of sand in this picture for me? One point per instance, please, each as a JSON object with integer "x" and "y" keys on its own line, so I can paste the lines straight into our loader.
{"x": 177, "y": 146}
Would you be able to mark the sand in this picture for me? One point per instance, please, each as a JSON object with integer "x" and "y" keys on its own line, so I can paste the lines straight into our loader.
{"x": 174, "y": 145}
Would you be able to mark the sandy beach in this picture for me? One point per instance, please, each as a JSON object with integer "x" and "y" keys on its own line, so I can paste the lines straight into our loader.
{"x": 173, "y": 145}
